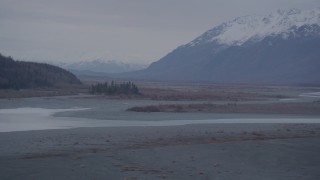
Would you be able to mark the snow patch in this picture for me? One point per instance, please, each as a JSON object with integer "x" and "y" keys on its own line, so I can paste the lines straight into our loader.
{"x": 257, "y": 27}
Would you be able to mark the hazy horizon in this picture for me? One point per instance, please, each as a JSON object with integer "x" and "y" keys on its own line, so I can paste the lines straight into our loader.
{"x": 139, "y": 31}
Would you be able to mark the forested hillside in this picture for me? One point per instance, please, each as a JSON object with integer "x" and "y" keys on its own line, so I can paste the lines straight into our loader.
{"x": 22, "y": 75}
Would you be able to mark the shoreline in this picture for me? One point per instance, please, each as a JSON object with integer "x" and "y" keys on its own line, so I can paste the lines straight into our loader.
{"x": 301, "y": 108}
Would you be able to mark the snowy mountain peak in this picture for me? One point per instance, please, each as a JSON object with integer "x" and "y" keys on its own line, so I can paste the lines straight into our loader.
{"x": 257, "y": 27}
{"x": 102, "y": 66}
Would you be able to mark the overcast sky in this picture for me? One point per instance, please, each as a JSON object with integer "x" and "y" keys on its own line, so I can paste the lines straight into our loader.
{"x": 123, "y": 30}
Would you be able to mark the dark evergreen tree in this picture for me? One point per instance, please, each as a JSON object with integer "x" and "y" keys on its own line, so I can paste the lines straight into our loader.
{"x": 114, "y": 88}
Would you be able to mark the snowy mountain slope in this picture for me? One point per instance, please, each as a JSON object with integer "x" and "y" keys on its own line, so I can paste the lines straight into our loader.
{"x": 281, "y": 48}
{"x": 257, "y": 27}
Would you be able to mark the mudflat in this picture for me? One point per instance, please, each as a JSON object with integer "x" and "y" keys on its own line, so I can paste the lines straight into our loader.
{"x": 215, "y": 151}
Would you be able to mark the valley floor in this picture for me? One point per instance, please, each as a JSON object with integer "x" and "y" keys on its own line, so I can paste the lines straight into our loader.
{"x": 69, "y": 137}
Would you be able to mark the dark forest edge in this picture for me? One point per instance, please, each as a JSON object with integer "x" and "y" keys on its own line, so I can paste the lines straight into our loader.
{"x": 28, "y": 75}
{"x": 114, "y": 88}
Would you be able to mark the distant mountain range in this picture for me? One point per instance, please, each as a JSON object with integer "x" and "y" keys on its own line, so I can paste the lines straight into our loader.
{"x": 23, "y": 75}
{"x": 100, "y": 67}
{"x": 281, "y": 48}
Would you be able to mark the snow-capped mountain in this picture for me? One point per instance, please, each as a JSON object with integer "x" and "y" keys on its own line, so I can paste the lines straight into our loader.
{"x": 281, "y": 48}
{"x": 258, "y": 27}
{"x": 101, "y": 66}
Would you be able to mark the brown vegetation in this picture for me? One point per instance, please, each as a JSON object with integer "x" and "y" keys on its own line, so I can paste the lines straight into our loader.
{"x": 178, "y": 91}
{"x": 312, "y": 108}
{"x": 191, "y": 93}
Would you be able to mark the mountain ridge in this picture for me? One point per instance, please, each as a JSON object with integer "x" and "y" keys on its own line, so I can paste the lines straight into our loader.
{"x": 101, "y": 66}
{"x": 242, "y": 29}
{"x": 287, "y": 55}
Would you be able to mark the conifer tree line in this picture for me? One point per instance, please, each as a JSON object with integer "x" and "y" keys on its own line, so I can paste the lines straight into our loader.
{"x": 114, "y": 88}
{"x": 22, "y": 75}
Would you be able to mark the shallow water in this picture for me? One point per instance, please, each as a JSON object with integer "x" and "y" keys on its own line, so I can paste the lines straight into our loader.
{"x": 311, "y": 95}
{"x": 26, "y": 119}
{"x": 73, "y": 112}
